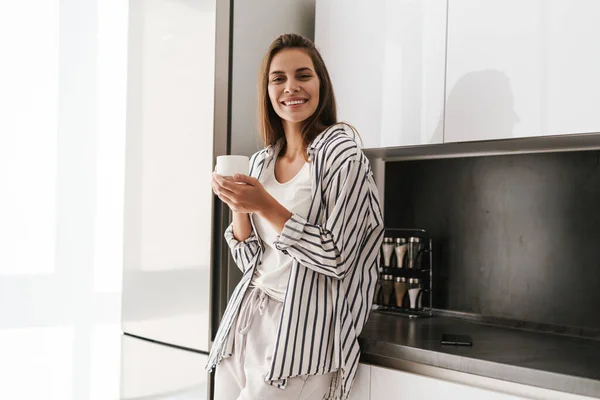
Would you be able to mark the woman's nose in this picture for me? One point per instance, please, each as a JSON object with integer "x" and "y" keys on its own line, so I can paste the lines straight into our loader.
{"x": 291, "y": 86}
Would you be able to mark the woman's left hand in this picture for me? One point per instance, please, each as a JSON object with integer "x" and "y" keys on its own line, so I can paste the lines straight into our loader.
{"x": 243, "y": 193}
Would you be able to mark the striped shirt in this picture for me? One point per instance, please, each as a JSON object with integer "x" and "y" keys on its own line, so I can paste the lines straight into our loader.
{"x": 332, "y": 279}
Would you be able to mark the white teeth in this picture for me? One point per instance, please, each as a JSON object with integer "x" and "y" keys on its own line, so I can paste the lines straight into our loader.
{"x": 290, "y": 103}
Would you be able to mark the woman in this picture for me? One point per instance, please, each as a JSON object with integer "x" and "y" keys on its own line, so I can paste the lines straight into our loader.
{"x": 306, "y": 233}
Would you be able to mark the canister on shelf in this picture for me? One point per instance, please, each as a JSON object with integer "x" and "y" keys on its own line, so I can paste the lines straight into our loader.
{"x": 400, "y": 249}
{"x": 387, "y": 288}
{"x": 415, "y": 292}
{"x": 400, "y": 289}
{"x": 388, "y": 249}
{"x": 415, "y": 244}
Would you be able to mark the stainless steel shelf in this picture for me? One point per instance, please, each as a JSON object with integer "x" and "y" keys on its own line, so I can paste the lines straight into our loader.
{"x": 541, "y": 144}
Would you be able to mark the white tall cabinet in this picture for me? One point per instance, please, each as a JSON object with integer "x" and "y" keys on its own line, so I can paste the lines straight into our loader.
{"x": 386, "y": 59}
{"x": 520, "y": 68}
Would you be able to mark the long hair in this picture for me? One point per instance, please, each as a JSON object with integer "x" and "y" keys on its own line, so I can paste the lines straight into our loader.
{"x": 270, "y": 126}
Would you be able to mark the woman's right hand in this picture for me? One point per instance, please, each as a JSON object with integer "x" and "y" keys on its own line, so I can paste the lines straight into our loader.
{"x": 219, "y": 190}
{"x": 242, "y": 228}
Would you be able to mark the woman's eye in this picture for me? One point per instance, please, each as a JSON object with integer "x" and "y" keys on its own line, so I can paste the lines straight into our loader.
{"x": 276, "y": 79}
{"x": 305, "y": 76}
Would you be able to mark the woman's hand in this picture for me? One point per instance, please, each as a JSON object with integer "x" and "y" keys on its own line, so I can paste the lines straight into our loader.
{"x": 242, "y": 193}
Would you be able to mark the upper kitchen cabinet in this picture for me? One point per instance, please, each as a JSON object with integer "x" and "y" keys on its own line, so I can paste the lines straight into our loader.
{"x": 520, "y": 68}
{"x": 386, "y": 59}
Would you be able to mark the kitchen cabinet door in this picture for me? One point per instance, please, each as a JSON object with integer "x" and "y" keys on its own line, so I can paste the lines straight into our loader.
{"x": 386, "y": 59}
{"x": 399, "y": 384}
{"x": 154, "y": 371}
{"x": 361, "y": 387}
{"x": 519, "y": 68}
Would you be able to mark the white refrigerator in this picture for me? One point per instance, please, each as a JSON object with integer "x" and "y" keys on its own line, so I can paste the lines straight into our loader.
{"x": 170, "y": 295}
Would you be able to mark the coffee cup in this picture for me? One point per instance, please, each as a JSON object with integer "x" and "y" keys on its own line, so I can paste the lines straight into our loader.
{"x": 230, "y": 165}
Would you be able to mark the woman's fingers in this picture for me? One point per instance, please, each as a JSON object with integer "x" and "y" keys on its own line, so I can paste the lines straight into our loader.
{"x": 223, "y": 194}
{"x": 226, "y": 182}
{"x": 222, "y": 185}
{"x": 215, "y": 188}
{"x": 225, "y": 199}
{"x": 248, "y": 180}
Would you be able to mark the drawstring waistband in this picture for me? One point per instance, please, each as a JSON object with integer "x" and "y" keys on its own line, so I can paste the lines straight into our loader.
{"x": 256, "y": 299}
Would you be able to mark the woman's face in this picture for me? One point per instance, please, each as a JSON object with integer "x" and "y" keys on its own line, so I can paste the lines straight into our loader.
{"x": 293, "y": 85}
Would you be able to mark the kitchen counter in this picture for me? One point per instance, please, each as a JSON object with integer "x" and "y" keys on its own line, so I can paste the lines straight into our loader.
{"x": 558, "y": 362}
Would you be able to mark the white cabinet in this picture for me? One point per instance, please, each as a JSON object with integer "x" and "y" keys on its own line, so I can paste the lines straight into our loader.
{"x": 361, "y": 387}
{"x": 512, "y": 68}
{"x": 400, "y": 384}
{"x": 519, "y": 68}
{"x": 386, "y": 59}
{"x": 156, "y": 371}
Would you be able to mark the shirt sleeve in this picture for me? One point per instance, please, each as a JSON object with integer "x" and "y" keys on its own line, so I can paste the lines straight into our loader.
{"x": 243, "y": 252}
{"x": 332, "y": 248}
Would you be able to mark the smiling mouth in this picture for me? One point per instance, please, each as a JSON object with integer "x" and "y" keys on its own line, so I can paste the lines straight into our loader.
{"x": 294, "y": 102}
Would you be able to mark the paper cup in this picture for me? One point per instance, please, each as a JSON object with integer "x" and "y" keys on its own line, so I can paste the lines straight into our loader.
{"x": 231, "y": 165}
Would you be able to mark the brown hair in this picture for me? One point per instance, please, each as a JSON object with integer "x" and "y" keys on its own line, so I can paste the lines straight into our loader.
{"x": 270, "y": 126}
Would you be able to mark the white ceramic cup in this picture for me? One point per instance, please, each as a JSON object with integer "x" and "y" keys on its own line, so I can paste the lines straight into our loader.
{"x": 231, "y": 165}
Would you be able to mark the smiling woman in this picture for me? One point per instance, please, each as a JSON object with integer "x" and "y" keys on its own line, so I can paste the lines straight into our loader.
{"x": 294, "y": 92}
{"x": 294, "y": 71}
{"x": 306, "y": 232}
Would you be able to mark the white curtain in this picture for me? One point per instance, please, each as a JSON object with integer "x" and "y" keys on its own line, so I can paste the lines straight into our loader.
{"x": 62, "y": 147}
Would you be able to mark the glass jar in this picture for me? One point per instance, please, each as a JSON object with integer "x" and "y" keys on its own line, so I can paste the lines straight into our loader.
{"x": 415, "y": 294}
{"x": 415, "y": 245}
{"x": 400, "y": 249}
{"x": 400, "y": 289}
{"x": 388, "y": 249}
{"x": 387, "y": 288}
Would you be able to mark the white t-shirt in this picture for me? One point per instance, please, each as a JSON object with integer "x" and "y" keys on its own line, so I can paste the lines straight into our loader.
{"x": 272, "y": 273}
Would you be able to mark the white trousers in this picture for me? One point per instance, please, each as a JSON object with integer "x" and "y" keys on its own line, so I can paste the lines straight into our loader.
{"x": 242, "y": 376}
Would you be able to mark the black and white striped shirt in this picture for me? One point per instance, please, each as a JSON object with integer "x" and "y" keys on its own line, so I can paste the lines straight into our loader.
{"x": 336, "y": 259}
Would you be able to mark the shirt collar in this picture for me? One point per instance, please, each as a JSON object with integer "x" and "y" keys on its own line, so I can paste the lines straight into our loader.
{"x": 316, "y": 143}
